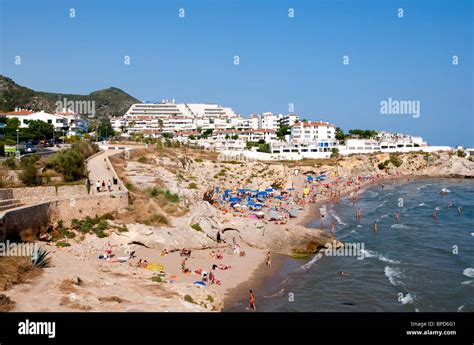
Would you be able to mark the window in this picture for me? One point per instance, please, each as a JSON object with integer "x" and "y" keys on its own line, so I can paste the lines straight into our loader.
{"x": 50, "y": 121}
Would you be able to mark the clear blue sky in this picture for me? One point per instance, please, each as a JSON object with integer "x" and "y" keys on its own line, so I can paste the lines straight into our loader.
{"x": 282, "y": 60}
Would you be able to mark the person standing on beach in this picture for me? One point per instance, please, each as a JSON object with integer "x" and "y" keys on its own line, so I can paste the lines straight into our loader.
{"x": 109, "y": 185}
{"x": 375, "y": 226}
{"x": 434, "y": 215}
{"x": 97, "y": 185}
{"x": 269, "y": 259}
{"x": 358, "y": 215}
{"x": 397, "y": 216}
{"x": 218, "y": 236}
{"x": 252, "y": 301}
{"x": 332, "y": 230}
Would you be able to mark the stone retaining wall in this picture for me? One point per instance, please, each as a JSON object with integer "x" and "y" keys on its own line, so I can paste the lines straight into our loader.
{"x": 29, "y": 195}
{"x": 38, "y": 215}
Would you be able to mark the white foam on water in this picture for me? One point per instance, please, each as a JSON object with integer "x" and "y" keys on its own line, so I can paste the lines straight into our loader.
{"x": 422, "y": 204}
{"x": 445, "y": 190}
{"x": 311, "y": 262}
{"x": 337, "y": 218}
{"x": 374, "y": 254}
{"x": 408, "y": 298}
{"x": 461, "y": 308}
{"x": 437, "y": 208}
{"x": 354, "y": 232}
{"x": 469, "y": 272}
{"x": 399, "y": 226}
{"x": 360, "y": 226}
{"x": 382, "y": 204}
{"x": 278, "y": 294}
{"x": 424, "y": 186}
{"x": 472, "y": 233}
{"x": 392, "y": 273}
{"x": 384, "y": 216}
{"x": 467, "y": 282}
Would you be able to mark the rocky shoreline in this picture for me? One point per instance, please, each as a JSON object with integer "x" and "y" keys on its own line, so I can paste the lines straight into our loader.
{"x": 123, "y": 286}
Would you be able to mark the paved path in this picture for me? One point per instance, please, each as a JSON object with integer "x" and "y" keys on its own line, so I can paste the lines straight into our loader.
{"x": 99, "y": 171}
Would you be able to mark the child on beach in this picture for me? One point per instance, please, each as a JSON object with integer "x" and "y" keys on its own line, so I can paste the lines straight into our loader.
{"x": 269, "y": 259}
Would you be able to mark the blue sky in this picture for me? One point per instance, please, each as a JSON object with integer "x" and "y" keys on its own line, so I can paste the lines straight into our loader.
{"x": 282, "y": 60}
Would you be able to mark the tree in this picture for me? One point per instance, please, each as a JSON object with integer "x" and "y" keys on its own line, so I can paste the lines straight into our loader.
{"x": 235, "y": 137}
{"x": 192, "y": 137}
{"x": 13, "y": 122}
{"x": 282, "y": 131}
{"x": 361, "y": 133}
{"x": 340, "y": 134}
{"x": 227, "y": 137}
{"x": 41, "y": 128}
{"x": 334, "y": 152}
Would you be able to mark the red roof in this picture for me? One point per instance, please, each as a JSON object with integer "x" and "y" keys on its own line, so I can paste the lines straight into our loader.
{"x": 310, "y": 123}
{"x": 19, "y": 112}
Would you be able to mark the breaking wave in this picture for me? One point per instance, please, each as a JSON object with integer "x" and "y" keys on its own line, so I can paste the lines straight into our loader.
{"x": 373, "y": 254}
{"x": 469, "y": 272}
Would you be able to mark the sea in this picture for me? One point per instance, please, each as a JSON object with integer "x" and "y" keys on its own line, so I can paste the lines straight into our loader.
{"x": 414, "y": 265}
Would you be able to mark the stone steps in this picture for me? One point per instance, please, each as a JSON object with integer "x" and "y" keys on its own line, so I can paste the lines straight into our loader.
{"x": 9, "y": 203}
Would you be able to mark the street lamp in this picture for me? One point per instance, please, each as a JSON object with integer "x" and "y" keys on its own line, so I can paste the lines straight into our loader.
{"x": 17, "y": 138}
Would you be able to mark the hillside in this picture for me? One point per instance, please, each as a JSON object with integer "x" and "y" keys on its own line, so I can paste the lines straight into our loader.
{"x": 109, "y": 102}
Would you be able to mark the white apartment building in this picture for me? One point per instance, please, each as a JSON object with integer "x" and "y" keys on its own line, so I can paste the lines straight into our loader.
{"x": 246, "y": 134}
{"x": 171, "y": 117}
{"x": 66, "y": 121}
{"x": 323, "y": 134}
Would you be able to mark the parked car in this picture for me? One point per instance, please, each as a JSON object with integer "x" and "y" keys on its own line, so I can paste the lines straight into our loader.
{"x": 30, "y": 149}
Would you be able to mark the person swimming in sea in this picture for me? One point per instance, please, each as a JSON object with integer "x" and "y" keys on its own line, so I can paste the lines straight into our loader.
{"x": 342, "y": 273}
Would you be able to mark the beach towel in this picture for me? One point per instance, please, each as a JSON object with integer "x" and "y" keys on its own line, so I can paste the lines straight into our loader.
{"x": 155, "y": 267}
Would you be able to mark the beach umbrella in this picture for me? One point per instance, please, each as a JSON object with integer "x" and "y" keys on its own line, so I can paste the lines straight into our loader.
{"x": 241, "y": 190}
{"x": 258, "y": 205}
{"x": 217, "y": 189}
{"x": 290, "y": 189}
{"x": 269, "y": 190}
{"x": 234, "y": 199}
{"x": 310, "y": 178}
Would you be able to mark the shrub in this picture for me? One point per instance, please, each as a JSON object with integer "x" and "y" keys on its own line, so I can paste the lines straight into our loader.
{"x": 29, "y": 172}
{"x": 395, "y": 160}
{"x": 142, "y": 159}
{"x": 171, "y": 197}
{"x": 192, "y": 185}
{"x": 10, "y": 163}
{"x": 62, "y": 244}
{"x": 40, "y": 258}
{"x": 189, "y": 299}
{"x": 196, "y": 227}
{"x": 461, "y": 153}
{"x": 130, "y": 186}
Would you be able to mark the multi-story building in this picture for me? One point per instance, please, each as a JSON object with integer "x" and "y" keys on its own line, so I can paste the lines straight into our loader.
{"x": 246, "y": 134}
{"x": 323, "y": 134}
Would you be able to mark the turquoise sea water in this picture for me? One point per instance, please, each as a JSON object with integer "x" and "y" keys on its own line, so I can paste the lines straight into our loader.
{"x": 413, "y": 265}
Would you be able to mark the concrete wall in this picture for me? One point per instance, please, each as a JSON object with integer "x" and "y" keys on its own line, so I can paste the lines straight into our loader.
{"x": 35, "y": 216}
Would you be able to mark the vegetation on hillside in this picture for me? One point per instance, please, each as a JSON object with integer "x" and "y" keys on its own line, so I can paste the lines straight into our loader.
{"x": 108, "y": 102}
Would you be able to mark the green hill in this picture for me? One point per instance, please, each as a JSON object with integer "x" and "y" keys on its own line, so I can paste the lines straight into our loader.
{"x": 108, "y": 102}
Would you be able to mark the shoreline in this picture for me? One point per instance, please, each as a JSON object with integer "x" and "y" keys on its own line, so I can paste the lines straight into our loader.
{"x": 262, "y": 274}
